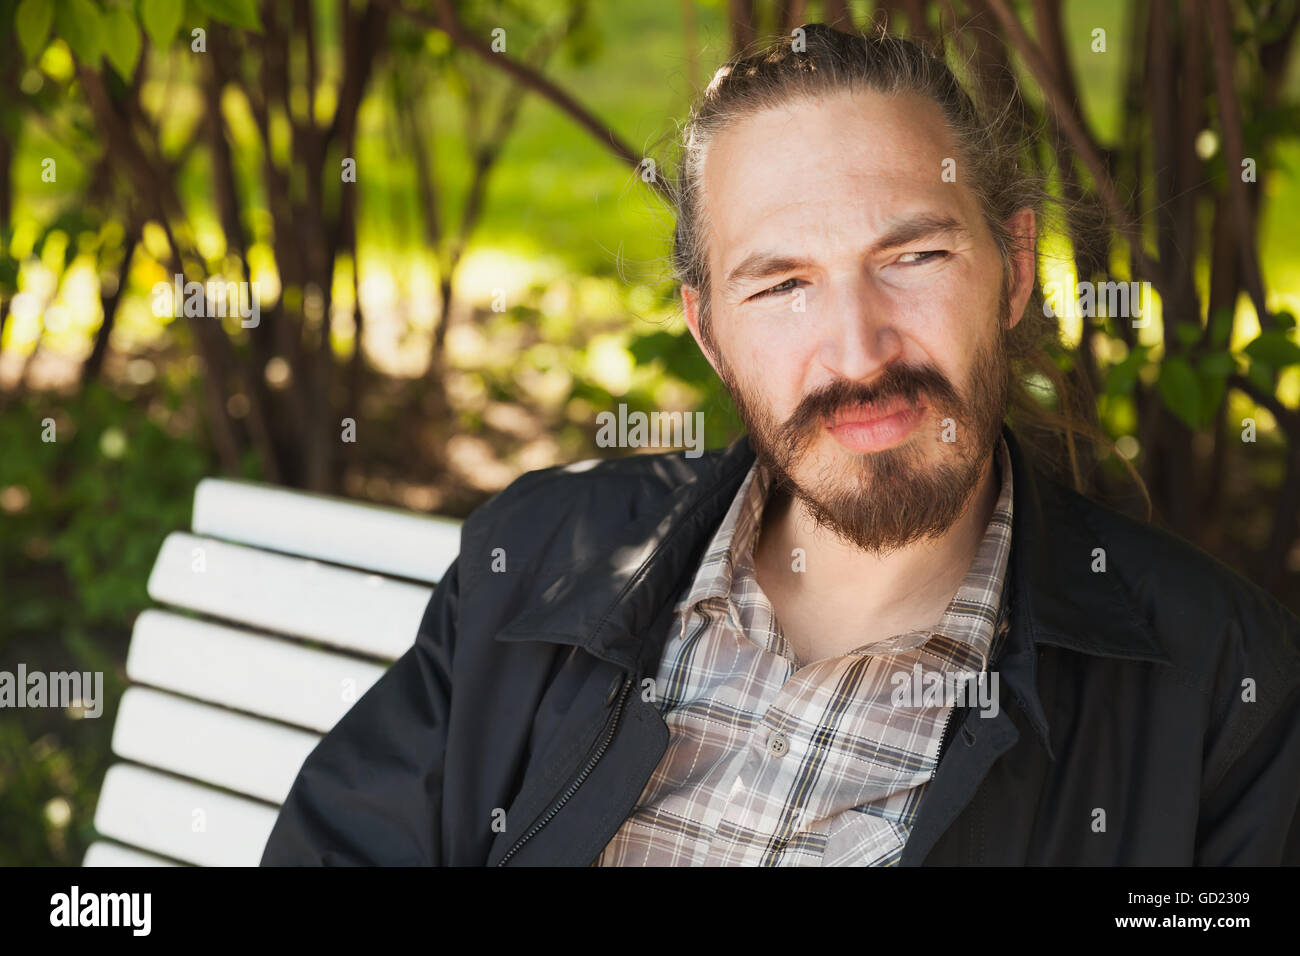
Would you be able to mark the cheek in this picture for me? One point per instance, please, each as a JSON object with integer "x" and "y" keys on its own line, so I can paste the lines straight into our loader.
{"x": 952, "y": 320}
{"x": 772, "y": 363}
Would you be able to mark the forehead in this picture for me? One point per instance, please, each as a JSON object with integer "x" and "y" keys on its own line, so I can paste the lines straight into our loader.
{"x": 829, "y": 173}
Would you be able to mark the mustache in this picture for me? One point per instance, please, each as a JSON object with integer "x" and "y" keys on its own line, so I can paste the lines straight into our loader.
{"x": 907, "y": 382}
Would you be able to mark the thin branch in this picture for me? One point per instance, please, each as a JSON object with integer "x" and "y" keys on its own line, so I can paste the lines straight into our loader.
{"x": 447, "y": 21}
{"x": 1234, "y": 145}
{"x": 1073, "y": 125}
{"x": 1288, "y": 419}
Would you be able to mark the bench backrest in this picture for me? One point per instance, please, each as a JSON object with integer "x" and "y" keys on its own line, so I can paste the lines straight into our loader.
{"x": 284, "y": 608}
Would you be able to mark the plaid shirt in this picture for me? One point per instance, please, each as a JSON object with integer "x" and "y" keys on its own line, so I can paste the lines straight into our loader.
{"x": 770, "y": 763}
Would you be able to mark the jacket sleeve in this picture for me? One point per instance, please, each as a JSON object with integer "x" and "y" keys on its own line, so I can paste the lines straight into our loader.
{"x": 370, "y": 793}
{"x": 1251, "y": 816}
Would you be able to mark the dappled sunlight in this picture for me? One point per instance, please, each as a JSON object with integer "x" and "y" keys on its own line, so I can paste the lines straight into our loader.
{"x": 71, "y": 319}
{"x": 1057, "y": 275}
{"x": 610, "y": 364}
{"x": 485, "y": 275}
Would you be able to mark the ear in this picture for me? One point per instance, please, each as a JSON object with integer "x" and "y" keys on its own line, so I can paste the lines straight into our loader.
{"x": 691, "y": 310}
{"x": 1022, "y": 226}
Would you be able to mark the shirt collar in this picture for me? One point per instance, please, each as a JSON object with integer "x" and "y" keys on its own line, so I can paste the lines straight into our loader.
{"x": 732, "y": 544}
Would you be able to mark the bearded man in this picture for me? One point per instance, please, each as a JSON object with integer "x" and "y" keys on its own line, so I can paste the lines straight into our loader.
{"x": 874, "y": 631}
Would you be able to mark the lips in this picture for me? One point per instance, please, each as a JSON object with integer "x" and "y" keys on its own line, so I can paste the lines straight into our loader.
{"x": 872, "y": 412}
{"x": 875, "y": 426}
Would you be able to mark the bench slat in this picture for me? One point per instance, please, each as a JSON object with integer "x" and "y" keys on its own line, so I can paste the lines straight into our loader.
{"x": 281, "y": 562}
{"x": 252, "y": 672}
{"x": 241, "y": 753}
{"x": 299, "y": 597}
{"x": 147, "y": 809}
{"x": 357, "y": 534}
{"x": 103, "y": 853}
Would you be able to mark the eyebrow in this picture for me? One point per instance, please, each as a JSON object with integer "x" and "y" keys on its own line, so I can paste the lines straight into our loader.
{"x": 762, "y": 265}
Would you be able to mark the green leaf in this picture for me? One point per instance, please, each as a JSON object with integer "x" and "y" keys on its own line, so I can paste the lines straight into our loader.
{"x": 1263, "y": 377}
{"x": 1213, "y": 371}
{"x": 1187, "y": 333}
{"x": 161, "y": 19}
{"x": 1216, "y": 365}
{"x": 1220, "y": 328}
{"x": 122, "y": 41}
{"x": 1123, "y": 375}
{"x": 82, "y": 25}
{"x": 1212, "y": 390}
{"x": 1274, "y": 348}
{"x": 1284, "y": 319}
{"x": 196, "y": 14}
{"x": 33, "y": 21}
{"x": 237, "y": 13}
{"x": 1181, "y": 390}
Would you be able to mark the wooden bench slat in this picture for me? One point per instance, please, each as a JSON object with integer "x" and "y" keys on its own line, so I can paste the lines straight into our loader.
{"x": 357, "y": 534}
{"x": 103, "y": 853}
{"x": 235, "y": 751}
{"x": 299, "y": 597}
{"x": 233, "y": 704}
{"x": 150, "y": 810}
{"x": 252, "y": 672}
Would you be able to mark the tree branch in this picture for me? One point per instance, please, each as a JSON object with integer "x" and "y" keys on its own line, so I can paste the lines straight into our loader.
{"x": 1073, "y": 125}
{"x": 1234, "y": 145}
{"x": 447, "y": 21}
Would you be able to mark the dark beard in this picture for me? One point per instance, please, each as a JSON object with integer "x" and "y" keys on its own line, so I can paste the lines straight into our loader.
{"x": 885, "y": 500}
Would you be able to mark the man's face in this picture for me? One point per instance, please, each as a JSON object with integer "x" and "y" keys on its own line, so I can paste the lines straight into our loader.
{"x": 859, "y": 305}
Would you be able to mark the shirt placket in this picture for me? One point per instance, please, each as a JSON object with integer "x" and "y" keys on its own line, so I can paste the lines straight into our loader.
{"x": 754, "y": 807}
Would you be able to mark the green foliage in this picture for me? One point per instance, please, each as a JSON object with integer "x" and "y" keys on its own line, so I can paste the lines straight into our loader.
{"x": 1213, "y": 370}
{"x": 1270, "y": 352}
{"x": 161, "y": 19}
{"x": 33, "y": 20}
{"x": 1180, "y": 389}
{"x": 1220, "y": 329}
{"x": 678, "y": 355}
{"x": 1192, "y": 386}
{"x": 111, "y": 31}
{"x": 237, "y": 13}
{"x": 123, "y": 46}
{"x": 1274, "y": 348}
{"x": 85, "y": 516}
{"x": 81, "y": 24}
{"x": 1124, "y": 374}
{"x": 101, "y": 498}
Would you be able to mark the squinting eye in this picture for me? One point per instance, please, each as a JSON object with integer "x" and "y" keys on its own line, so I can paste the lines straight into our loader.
{"x": 928, "y": 256}
{"x": 776, "y": 289}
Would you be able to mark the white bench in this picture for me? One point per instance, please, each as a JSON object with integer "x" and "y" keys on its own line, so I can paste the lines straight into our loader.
{"x": 285, "y": 608}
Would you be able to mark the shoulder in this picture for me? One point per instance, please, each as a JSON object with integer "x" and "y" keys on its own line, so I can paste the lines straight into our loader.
{"x": 567, "y": 507}
{"x": 605, "y": 487}
{"x": 1202, "y": 612}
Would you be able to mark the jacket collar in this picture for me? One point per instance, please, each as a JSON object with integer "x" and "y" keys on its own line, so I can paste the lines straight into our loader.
{"x": 1056, "y": 597}
{"x": 1053, "y": 551}
{"x": 608, "y": 599}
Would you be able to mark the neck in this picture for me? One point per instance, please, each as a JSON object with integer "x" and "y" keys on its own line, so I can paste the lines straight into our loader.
{"x": 903, "y": 590}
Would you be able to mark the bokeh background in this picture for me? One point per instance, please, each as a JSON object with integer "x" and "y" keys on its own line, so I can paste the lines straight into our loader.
{"x": 496, "y": 275}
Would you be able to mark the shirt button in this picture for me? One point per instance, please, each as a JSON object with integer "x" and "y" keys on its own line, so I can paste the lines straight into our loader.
{"x": 777, "y": 744}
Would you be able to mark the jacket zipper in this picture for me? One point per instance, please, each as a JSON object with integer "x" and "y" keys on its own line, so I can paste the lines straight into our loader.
{"x": 573, "y": 787}
{"x": 944, "y": 742}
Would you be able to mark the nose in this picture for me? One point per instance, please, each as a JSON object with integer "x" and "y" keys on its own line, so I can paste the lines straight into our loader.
{"x": 858, "y": 332}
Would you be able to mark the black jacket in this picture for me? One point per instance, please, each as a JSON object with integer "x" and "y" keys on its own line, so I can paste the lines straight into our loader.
{"x": 514, "y": 731}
